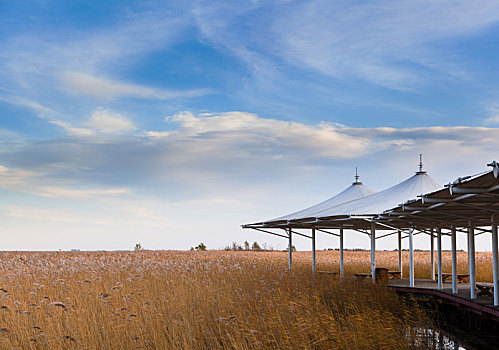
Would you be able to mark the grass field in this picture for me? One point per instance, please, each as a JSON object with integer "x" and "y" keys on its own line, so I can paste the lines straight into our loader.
{"x": 202, "y": 300}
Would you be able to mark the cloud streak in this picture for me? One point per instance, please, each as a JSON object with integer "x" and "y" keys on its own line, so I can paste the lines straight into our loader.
{"x": 221, "y": 151}
{"x": 42, "y": 184}
{"x": 102, "y": 88}
{"x": 394, "y": 45}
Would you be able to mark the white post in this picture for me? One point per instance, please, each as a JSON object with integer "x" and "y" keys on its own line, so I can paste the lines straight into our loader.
{"x": 411, "y": 259}
{"x": 471, "y": 260}
{"x": 290, "y": 247}
{"x": 373, "y": 251}
{"x": 495, "y": 264}
{"x": 432, "y": 251}
{"x": 341, "y": 252}
{"x": 313, "y": 250}
{"x": 400, "y": 252}
{"x": 454, "y": 260}
{"x": 439, "y": 257}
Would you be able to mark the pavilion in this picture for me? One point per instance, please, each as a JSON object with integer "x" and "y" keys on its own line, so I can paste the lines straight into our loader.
{"x": 417, "y": 205}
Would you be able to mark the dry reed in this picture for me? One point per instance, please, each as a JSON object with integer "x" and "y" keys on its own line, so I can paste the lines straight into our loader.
{"x": 197, "y": 300}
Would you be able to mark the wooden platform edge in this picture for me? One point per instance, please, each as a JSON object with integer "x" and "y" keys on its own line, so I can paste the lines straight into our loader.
{"x": 475, "y": 307}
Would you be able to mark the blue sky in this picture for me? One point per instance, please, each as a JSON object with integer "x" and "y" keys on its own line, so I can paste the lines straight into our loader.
{"x": 171, "y": 123}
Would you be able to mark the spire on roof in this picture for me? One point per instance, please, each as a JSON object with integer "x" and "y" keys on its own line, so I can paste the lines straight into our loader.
{"x": 357, "y": 182}
{"x": 495, "y": 167}
{"x": 421, "y": 171}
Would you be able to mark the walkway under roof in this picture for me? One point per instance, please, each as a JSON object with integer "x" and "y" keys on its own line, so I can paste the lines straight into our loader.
{"x": 470, "y": 204}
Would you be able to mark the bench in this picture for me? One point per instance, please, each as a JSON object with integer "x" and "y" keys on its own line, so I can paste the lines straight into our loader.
{"x": 461, "y": 278}
{"x": 328, "y": 273}
{"x": 395, "y": 274}
{"x": 361, "y": 276}
{"x": 485, "y": 289}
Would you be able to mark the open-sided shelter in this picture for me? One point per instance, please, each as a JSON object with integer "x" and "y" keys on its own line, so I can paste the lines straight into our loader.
{"x": 354, "y": 215}
{"x": 470, "y": 204}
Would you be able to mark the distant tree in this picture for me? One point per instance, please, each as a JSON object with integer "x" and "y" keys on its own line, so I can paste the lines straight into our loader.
{"x": 236, "y": 246}
{"x": 192, "y": 248}
{"x": 246, "y": 245}
{"x": 293, "y": 249}
{"x": 138, "y": 247}
{"x": 256, "y": 246}
{"x": 201, "y": 246}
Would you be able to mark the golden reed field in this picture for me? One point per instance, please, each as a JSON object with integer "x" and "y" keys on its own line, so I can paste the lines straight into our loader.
{"x": 204, "y": 300}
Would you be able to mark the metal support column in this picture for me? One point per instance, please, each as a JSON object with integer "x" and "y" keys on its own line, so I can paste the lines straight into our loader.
{"x": 313, "y": 250}
{"x": 439, "y": 257}
{"x": 342, "y": 269}
{"x": 432, "y": 251}
{"x": 471, "y": 260}
{"x": 454, "y": 259}
{"x": 400, "y": 252}
{"x": 373, "y": 251}
{"x": 411, "y": 259}
{"x": 495, "y": 271}
{"x": 290, "y": 248}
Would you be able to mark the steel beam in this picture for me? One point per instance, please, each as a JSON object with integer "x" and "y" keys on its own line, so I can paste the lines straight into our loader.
{"x": 373, "y": 251}
{"x": 454, "y": 260}
{"x": 411, "y": 259}
{"x": 399, "y": 215}
{"x": 270, "y": 233}
{"x": 471, "y": 260}
{"x": 313, "y": 251}
{"x": 300, "y": 234}
{"x": 495, "y": 265}
{"x": 342, "y": 269}
{"x": 290, "y": 247}
{"x": 329, "y": 233}
{"x": 439, "y": 257}
{"x": 432, "y": 258}
{"x": 400, "y": 252}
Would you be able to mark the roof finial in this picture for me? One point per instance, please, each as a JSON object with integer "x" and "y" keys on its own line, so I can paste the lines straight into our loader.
{"x": 357, "y": 177}
{"x": 421, "y": 171}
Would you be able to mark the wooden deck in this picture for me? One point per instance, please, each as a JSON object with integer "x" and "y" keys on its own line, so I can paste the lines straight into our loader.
{"x": 483, "y": 305}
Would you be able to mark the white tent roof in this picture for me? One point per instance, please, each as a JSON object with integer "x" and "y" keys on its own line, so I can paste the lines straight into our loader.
{"x": 416, "y": 185}
{"x": 355, "y": 191}
{"x": 343, "y": 206}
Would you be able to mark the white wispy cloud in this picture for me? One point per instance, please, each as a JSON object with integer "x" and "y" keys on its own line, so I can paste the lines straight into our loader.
{"x": 394, "y": 45}
{"x": 222, "y": 150}
{"x": 104, "y": 120}
{"x": 493, "y": 112}
{"x": 71, "y": 129}
{"x": 53, "y": 66}
{"x": 42, "y": 184}
{"x": 231, "y": 131}
{"x": 39, "y": 109}
{"x": 51, "y": 215}
{"x": 133, "y": 34}
{"x": 103, "y": 88}
{"x": 373, "y": 40}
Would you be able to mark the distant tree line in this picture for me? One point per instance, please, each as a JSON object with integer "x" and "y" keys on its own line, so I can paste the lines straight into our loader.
{"x": 255, "y": 246}
{"x": 201, "y": 247}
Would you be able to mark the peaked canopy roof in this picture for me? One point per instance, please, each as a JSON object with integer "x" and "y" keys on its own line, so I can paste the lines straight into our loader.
{"x": 471, "y": 200}
{"x": 355, "y": 212}
{"x": 418, "y": 184}
{"x": 355, "y": 191}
